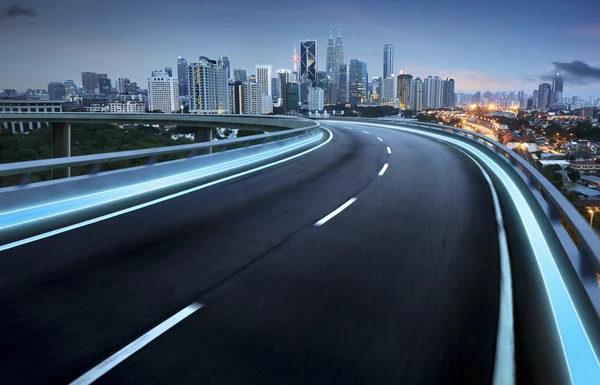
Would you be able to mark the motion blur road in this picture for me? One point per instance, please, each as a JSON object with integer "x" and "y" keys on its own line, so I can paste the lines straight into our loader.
{"x": 402, "y": 286}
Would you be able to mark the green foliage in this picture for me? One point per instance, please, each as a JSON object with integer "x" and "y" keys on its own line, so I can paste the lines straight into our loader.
{"x": 585, "y": 130}
{"x": 574, "y": 175}
{"x": 86, "y": 139}
{"x": 551, "y": 173}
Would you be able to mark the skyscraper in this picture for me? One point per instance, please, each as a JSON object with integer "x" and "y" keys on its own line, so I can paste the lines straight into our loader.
{"x": 70, "y": 88}
{"x": 290, "y": 98}
{"x": 405, "y": 94}
{"x": 163, "y": 92}
{"x": 104, "y": 86}
{"x": 323, "y": 82}
{"x": 308, "y": 67}
{"x": 448, "y": 94}
{"x": 182, "y": 76}
{"x": 418, "y": 94}
{"x": 169, "y": 71}
{"x": 284, "y": 78}
{"x": 544, "y": 95}
{"x": 276, "y": 89}
{"x": 263, "y": 77}
{"x": 432, "y": 92}
{"x": 330, "y": 60}
{"x": 388, "y": 60}
{"x": 246, "y": 98}
{"x": 89, "y": 81}
{"x": 357, "y": 82}
{"x": 224, "y": 62}
{"x": 239, "y": 75}
{"x": 557, "y": 89}
{"x": 389, "y": 89}
{"x": 56, "y": 91}
{"x": 338, "y": 51}
{"x": 208, "y": 87}
{"x": 343, "y": 83}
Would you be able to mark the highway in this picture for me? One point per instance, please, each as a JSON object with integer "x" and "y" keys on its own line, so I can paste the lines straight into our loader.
{"x": 373, "y": 259}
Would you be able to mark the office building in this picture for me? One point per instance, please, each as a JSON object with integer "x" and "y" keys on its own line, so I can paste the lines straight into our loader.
{"x": 208, "y": 90}
{"x": 417, "y": 99}
{"x": 276, "y": 89}
{"x": 388, "y": 60}
{"x": 169, "y": 71}
{"x": 315, "y": 99}
{"x": 357, "y": 82}
{"x": 264, "y": 77}
{"x": 239, "y": 75}
{"x": 123, "y": 85}
{"x": 308, "y": 67}
{"x": 284, "y": 78}
{"x": 338, "y": 52}
{"x": 224, "y": 62}
{"x": 104, "y": 86}
{"x": 405, "y": 91}
{"x": 182, "y": 76}
{"x": 291, "y": 100}
{"x": 323, "y": 82}
{"x": 89, "y": 81}
{"x": 389, "y": 91}
{"x": 448, "y": 99}
{"x": 56, "y": 91}
{"x": 163, "y": 92}
{"x": 267, "y": 104}
{"x": 246, "y": 98}
{"x": 70, "y": 88}
{"x": 330, "y": 59}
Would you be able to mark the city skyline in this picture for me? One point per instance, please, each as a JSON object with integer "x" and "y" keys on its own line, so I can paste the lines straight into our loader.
{"x": 459, "y": 44}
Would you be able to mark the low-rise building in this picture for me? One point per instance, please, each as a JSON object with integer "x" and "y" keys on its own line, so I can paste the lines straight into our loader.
{"x": 524, "y": 142}
{"x": 28, "y": 107}
{"x": 128, "y": 107}
{"x": 591, "y": 180}
{"x": 585, "y": 166}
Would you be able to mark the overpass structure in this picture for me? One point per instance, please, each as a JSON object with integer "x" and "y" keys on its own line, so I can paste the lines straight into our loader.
{"x": 349, "y": 251}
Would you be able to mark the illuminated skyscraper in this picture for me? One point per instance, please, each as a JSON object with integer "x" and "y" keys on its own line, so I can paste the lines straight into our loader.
{"x": 448, "y": 99}
{"x": 308, "y": 68}
{"x": 343, "y": 84}
{"x": 208, "y": 87}
{"x": 330, "y": 61}
{"x": 358, "y": 82}
{"x": 405, "y": 94}
{"x": 544, "y": 95}
{"x": 418, "y": 94}
{"x": 557, "y": 89}
{"x": 263, "y": 77}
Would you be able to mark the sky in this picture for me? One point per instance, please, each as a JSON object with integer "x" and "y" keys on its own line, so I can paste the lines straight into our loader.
{"x": 498, "y": 46}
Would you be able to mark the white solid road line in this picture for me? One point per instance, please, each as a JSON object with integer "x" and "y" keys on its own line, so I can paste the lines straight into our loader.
{"x": 335, "y": 212}
{"x": 349, "y": 128}
{"x": 120, "y": 356}
{"x": 389, "y": 150}
{"x": 383, "y": 170}
{"x": 368, "y": 133}
{"x": 381, "y": 140}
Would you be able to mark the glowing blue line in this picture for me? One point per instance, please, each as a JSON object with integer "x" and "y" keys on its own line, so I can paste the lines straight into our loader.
{"x": 582, "y": 361}
{"x": 155, "y": 201}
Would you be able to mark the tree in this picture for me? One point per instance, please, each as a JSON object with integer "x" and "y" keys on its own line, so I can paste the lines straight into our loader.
{"x": 551, "y": 173}
{"x": 574, "y": 175}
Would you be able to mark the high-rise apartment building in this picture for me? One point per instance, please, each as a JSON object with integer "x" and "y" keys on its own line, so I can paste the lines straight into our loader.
{"x": 418, "y": 94}
{"x": 388, "y": 86}
{"x": 246, "y": 98}
{"x": 544, "y": 95}
{"x": 56, "y": 91}
{"x": 264, "y": 77}
{"x": 70, "y": 88}
{"x": 89, "y": 81}
{"x": 557, "y": 89}
{"x": 388, "y": 60}
{"x": 308, "y": 67}
{"x": 239, "y": 75}
{"x": 358, "y": 82}
{"x": 208, "y": 90}
{"x": 448, "y": 99}
{"x": 405, "y": 91}
{"x": 123, "y": 85}
{"x": 433, "y": 92}
{"x": 182, "y": 76}
{"x": 163, "y": 92}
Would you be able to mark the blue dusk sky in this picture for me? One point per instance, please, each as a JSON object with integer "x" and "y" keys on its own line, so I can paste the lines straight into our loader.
{"x": 499, "y": 46}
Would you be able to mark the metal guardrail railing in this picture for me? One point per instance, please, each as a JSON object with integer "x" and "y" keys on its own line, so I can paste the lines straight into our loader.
{"x": 28, "y": 167}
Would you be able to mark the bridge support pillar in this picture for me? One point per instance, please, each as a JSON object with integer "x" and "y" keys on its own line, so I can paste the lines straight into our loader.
{"x": 61, "y": 147}
{"x": 202, "y": 134}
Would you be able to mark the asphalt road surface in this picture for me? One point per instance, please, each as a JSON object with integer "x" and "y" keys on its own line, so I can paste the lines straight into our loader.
{"x": 400, "y": 287}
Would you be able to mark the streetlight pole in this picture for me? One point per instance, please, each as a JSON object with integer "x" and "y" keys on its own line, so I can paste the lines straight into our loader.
{"x": 591, "y": 218}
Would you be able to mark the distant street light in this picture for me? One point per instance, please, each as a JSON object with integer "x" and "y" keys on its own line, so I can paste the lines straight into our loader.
{"x": 591, "y": 218}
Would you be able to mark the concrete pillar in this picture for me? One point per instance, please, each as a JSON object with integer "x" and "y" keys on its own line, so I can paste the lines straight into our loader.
{"x": 203, "y": 134}
{"x": 61, "y": 147}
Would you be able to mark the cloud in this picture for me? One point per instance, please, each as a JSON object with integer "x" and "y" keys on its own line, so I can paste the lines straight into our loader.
{"x": 14, "y": 11}
{"x": 576, "y": 72}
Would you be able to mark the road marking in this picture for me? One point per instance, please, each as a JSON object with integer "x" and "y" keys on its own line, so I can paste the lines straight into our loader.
{"x": 336, "y": 212}
{"x": 381, "y": 140}
{"x": 159, "y": 200}
{"x": 367, "y": 133}
{"x": 383, "y": 170}
{"x": 120, "y": 356}
{"x": 349, "y": 128}
{"x": 389, "y": 150}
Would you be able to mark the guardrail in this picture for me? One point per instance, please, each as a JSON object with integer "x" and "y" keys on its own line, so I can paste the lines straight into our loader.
{"x": 32, "y": 210}
{"x": 556, "y": 322}
{"x": 24, "y": 169}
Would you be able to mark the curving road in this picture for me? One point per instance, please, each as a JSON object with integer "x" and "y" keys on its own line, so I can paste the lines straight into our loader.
{"x": 401, "y": 286}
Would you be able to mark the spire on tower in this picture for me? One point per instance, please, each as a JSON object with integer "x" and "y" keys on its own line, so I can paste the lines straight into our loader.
{"x": 295, "y": 58}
